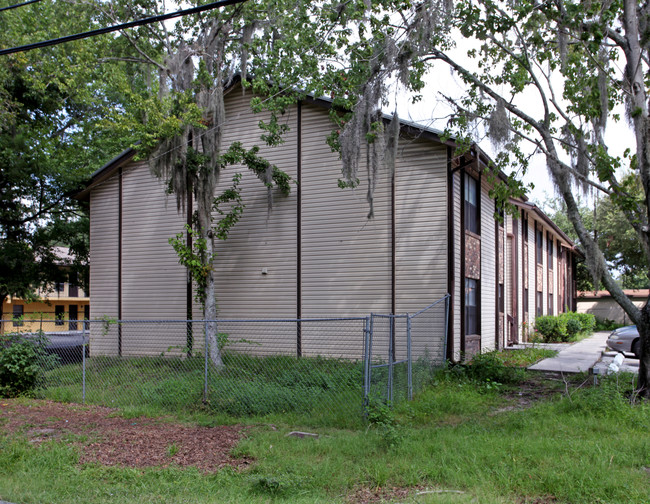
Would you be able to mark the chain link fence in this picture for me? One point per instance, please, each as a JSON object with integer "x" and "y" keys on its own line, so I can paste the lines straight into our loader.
{"x": 323, "y": 368}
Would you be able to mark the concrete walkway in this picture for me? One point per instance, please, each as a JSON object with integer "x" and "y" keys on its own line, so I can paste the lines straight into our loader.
{"x": 575, "y": 358}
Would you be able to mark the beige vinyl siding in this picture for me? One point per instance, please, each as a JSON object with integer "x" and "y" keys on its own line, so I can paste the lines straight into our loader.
{"x": 508, "y": 241}
{"x": 256, "y": 266}
{"x": 264, "y": 238}
{"x": 532, "y": 271}
{"x": 517, "y": 225}
{"x": 104, "y": 231}
{"x": 420, "y": 225}
{"x": 458, "y": 257}
{"x": 544, "y": 275}
{"x": 421, "y": 240}
{"x": 346, "y": 258}
{"x": 154, "y": 285}
{"x": 488, "y": 303}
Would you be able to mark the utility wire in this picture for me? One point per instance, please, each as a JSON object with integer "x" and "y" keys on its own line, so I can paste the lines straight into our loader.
{"x": 109, "y": 29}
{"x": 18, "y": 5}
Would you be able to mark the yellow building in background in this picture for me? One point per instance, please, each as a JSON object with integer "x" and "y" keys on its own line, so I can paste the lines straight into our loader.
{"x": 56, "y": 310}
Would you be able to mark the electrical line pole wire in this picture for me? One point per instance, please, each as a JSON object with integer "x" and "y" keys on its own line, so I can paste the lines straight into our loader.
{"x": 123, "y": 26}
{"x": 15, "y": 6}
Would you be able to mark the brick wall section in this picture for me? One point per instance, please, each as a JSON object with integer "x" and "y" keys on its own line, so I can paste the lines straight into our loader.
{"x": 472, "y": 256}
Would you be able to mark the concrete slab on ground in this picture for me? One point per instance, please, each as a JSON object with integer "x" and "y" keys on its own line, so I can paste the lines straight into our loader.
{"x": 630, "y": 363}
{"x": 576, "y": 358}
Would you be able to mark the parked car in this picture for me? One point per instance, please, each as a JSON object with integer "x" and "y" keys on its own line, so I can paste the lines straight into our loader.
{"x": 625, "y": 339}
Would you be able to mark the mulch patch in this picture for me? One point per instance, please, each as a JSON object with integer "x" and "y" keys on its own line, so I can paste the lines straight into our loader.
{"x": 366, "y": 495}
{"x": 113, "y": 440}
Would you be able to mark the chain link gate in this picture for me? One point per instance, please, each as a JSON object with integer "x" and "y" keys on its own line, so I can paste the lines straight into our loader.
{"x": 402, "y": 351}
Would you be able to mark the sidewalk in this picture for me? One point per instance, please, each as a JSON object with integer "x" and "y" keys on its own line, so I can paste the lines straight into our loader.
{"x": 576, "y": 358}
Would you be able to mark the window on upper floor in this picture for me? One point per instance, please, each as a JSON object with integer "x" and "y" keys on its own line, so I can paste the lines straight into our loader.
{"x": 549, "y": 241}
{"x": 73, "y": 288}
{"x": 471, "y": 204}
{"x": 524, "y": 232}
{"x": 539, "y": 245}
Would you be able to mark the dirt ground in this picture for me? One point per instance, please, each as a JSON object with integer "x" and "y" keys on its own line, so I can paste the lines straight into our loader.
{"x": 107, "y": 439}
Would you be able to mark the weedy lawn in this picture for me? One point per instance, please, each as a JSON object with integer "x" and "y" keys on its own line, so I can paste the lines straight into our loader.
{"x": 486, "y": 433}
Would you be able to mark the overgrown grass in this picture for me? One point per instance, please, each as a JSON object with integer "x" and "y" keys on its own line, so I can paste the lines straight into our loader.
{"x": 311, "y": 391}
{"x": 465, "y": 432}
{"x": 587, "y": 447}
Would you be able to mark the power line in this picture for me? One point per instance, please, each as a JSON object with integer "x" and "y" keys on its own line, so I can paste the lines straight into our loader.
{"x": 109, "y": 29}
{"x": 18, "y": 5}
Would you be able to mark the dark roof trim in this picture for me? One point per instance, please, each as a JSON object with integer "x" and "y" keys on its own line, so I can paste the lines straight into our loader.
{"x": 631, "y": 293}
{"x": 530, "y": 207}
{"x": 105, "y": 172}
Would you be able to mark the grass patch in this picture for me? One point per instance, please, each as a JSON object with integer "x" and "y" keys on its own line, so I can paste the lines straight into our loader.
{"x": 524, "y": 357}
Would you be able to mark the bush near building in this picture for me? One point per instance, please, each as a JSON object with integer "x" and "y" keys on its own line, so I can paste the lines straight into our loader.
{"x": 563, "y": 328}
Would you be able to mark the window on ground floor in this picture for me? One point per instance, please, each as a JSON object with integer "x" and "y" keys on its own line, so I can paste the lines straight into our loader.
{"x": 550, "y": 304}
{"x": 59, "y": 314}
{"x": 525, "y": 303}
{"x": 471, "y": 306}
{"x": 18, "y": 312}
{"x": 501, "y": 298}
{"x": 539, "y": 309}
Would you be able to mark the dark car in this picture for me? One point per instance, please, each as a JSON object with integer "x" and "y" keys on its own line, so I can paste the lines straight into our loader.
{"x": 626, "y": 340}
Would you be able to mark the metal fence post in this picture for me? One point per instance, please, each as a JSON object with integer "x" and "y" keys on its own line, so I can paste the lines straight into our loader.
{"x": 409, "y": 360}
{"x": 206, "y": 350}
{"x": 371, "y": 336}
{"x": 366, "y": 361}
{"x": 391, "y": 353}
{"x": 445, "y": 342}
{"x": 83, "y": 364}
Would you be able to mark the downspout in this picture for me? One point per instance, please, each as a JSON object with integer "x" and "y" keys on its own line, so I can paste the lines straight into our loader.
{"x": 188, "y": 294}
{"x": 299, "y": 232}
{"x": 451, "y": 284}
{"x": 119, "y": 262}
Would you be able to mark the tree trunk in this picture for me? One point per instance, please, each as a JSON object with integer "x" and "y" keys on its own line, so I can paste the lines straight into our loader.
{"x": 643, "y": 387}
{"x": 210, "y": 308}
{"x": 2, "y": 323}
{"x": 638, "y": 96}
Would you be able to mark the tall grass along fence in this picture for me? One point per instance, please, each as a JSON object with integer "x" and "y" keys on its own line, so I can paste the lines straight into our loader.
{"x": 325, "y": 367}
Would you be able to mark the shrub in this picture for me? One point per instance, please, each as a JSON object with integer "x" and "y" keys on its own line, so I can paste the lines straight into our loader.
{"x": 20, "y": 372}
{"x": 489, "y": 367}
{"x": 588, "y": 322}
{"x": 551, "y": 328}
{"x": 606, "y": 325}
{"x": 573, "y": 327}
{"x": 381, "y": 416}
{"x": 564, "y": 327}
